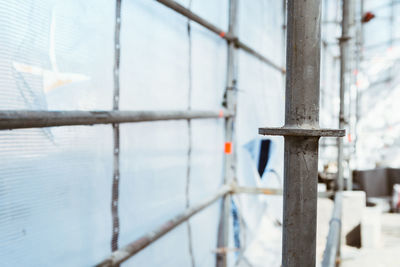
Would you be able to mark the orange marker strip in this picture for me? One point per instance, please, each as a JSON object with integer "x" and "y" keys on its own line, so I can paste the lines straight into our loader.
{"x": 222, "y": 34}
{"x": 221, "y": 113}
{"x": 228, "y": 147}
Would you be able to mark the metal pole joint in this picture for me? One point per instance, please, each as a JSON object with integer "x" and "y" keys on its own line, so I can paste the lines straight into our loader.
{"x": 301, "y": 132}
{"x": 344, "y": 39}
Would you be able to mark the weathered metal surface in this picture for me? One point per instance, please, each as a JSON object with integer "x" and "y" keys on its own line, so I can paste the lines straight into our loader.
{"x": 131, "y": 249}
{"x": 300, "y": 201}
{"x": 297, "y": 131}
{"x": 333, "y": 239}
{"x": 301, "y": 153}
{"x": 230, "y": 37}
{"x": 301, "y": 132}
{"x": 14, "y": 119}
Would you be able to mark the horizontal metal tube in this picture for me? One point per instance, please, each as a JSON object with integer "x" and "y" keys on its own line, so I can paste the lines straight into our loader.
{"x": 131, "y": 249}
{"x": 257, "y": 190}
{"x": 16, "y": 119}
{"x": 268, "y": 191}
{"x": 333, "y": 240}
{"x": 302, "y": 132}
{"x": 206, "y": 24}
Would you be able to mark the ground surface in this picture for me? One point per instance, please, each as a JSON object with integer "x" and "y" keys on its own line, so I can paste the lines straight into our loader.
{"x": 385, "y": 255}
{"x": 265, "y": 250}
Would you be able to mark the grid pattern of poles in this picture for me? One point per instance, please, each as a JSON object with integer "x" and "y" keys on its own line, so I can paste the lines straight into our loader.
{"x": 17, "y": 119}
{"x": 301, "y": 132}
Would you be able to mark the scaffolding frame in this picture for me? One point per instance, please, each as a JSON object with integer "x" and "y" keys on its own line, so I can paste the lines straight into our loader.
{"x": 23, "y": 119}
{"x": 301, "y": 132}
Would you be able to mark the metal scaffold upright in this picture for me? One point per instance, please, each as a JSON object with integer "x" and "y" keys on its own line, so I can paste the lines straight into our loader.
{"x": 230, "y": 148}
{"x": 301, "y": 132}
{"x": 344, "y": 66}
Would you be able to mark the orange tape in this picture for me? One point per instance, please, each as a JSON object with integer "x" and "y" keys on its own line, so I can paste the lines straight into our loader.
{"x": 228, "y": 147}
{"x": 222, "y": 34}
{"x": 349, "y": 138}
{"x": 221, "y": 113}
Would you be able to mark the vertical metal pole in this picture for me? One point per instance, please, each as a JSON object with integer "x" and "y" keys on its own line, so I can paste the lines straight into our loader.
{"x": 189, "y": 151}
{"x": 358, "y": 62}
{"x": 116, "y": 174}
{"x": 301, "y": 152}
{"x": 230, "y": 159}
{"x": 343, "y": 83}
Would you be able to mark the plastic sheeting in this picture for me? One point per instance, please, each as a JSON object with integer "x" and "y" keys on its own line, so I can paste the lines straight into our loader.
{"x": 55, "y": 183}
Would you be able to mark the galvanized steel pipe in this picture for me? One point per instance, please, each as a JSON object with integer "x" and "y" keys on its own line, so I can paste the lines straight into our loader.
{"x": 133, "y": 248}
{"x": 333, "y": 239}
{"x": 301, "y": 153}
{"x": 15, "y": 119}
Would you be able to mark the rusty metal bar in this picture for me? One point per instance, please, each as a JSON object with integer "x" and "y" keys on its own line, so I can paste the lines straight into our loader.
{"x": 227, "y": 36}
{"x": 124, "y": 253}
{"x": 17, "y": 119}
{"x": 333, "y": 239}
{"x": 301, "y": 132}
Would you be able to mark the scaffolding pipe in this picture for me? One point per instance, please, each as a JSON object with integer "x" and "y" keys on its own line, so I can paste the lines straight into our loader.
{"x": 227, "y": 36}
{"x": 17, "y": 119}
{"x": 301, "y": 132}
{"x": 269, "y": 191}
{"x": 343, "y": 84}
{"x": 116, "y": 131}
{"x": 230, "y": 156}
{"x": 333, "y": 239}
{"x": 124, "y": 253}
{"x": 301, "y": 153}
